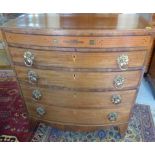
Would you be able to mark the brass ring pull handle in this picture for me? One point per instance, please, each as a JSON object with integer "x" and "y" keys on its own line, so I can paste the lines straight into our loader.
{"x": 36, "y": 95}
{"x": 118, "y": 82}
{"x": 28, "y": 58}
{"x": 122, "y": 62}
{"x": 112, "y": 116}
{"x": 40, "y": 111}
{"x": 32, "y": 76}
{"x": 116, "y": 99}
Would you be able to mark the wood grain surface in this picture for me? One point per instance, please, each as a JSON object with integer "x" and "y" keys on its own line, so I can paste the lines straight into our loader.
{"x": 81, "y": 80}
{"x": 80, "y": 116}
{"x": 76, "y": 41}
{"x": 96, "y": 59}
{"x": 69, "y": 99}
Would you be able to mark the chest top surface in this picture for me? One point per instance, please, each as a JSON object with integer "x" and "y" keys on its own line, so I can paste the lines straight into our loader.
{"x": 81, "y": 21}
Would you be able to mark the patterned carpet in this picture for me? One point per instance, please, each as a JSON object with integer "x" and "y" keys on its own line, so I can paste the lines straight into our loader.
{"x": 141, "y": 128}
{"x": 13, "y": 114}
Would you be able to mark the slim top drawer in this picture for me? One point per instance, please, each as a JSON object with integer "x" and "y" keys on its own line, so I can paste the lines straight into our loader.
{"x": 88, "y": 59}
{"x": 78, "y": 41}
{"x": 80, "y": 116}
{"x": 81, "y": 80}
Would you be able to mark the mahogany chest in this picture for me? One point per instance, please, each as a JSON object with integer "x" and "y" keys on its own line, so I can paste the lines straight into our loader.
{"x": 79, "y": 71}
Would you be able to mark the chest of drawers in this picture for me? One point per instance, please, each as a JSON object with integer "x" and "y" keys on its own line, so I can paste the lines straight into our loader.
{"x": 82, "y": 75}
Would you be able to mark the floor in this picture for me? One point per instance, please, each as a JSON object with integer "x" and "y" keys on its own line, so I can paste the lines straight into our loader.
{"x": 145, "y": 96}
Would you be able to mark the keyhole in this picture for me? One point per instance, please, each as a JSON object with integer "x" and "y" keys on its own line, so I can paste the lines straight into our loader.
{"x": 74, "y": 57}
{"x": 74, "y": 76}
{"x": 145, "y": 41}
{"x": 74, "y": 95}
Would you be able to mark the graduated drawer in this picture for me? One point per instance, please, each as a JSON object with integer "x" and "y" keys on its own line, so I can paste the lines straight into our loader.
{"x": 79, "y": 116}
{"x": 78, "y": 59}
{"x": 80, "y": 80}
{"x": 77, "y": 41}
{"x": 72, "y": 99}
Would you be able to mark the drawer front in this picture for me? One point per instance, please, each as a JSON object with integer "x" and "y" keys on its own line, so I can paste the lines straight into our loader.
{"x": 79, "y": 116}
{"x": 77, "y": 41}
{"x": 79, "y": 99}
{"x": 79, "y": 59}
{"x": 82, "y": 80}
